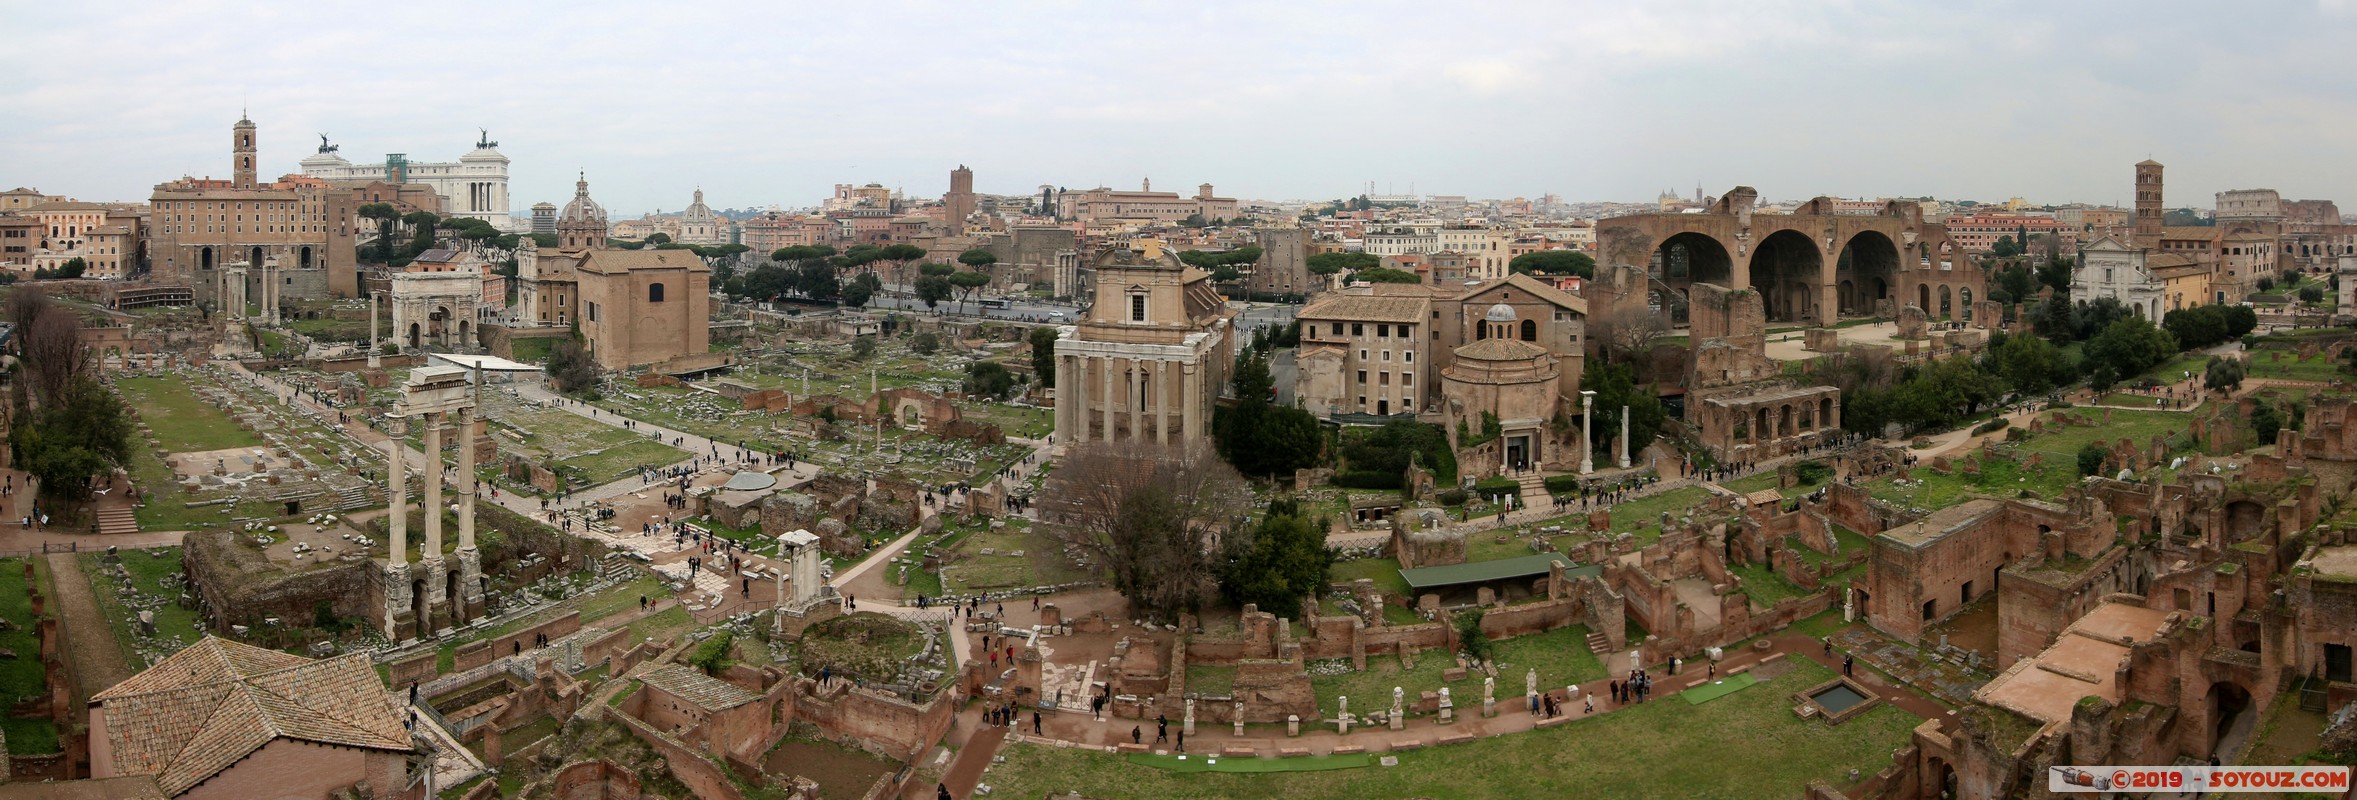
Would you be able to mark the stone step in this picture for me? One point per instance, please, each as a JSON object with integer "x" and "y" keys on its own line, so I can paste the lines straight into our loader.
{"x": 1598, "y": 644}
{"x": 117, "y": 520}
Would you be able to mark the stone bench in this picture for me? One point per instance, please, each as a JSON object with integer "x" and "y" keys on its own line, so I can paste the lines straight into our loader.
{"x": 1293, "y": 752}
{"x": 1349, "y": 749}
{"x": 1239, "y": 751}
{"x": 1411, "y": 744}
{"x": 1135, "y": 748}
{"x": 1550, "y": 722}
{"x": 1456, "y": 738}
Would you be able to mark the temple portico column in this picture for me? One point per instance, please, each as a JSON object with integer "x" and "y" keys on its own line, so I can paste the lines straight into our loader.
{"x": 1137, "y": 400}
{"x": 466, "y": 479}
{"x": 433, "y": 477}
{"x": 397, "y": 485}
{"x": 1077, "y": 369}
{"x": 1107, "y": 401}
{"x": 1190, "y": 403}
{"x": 1587, "y": 432}
{"x": 1161, "y": 396}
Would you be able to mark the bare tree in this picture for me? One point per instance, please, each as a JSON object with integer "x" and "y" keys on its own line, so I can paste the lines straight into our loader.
{"x": 1628, "y": 330}
{"x": 49, "y": 339}
{"x": 1149, "y": 519}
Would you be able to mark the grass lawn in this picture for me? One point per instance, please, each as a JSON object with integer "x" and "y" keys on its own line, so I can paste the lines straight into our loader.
{"x": 1765, "y": 587}
{"x": 1042, "y": 561}
{"x": 2264, "y": 364}
{"x": 182, "y": 421}
{"x": 1484, "y": 545}
{"x": 22, "y": 676}
{"x": 532, "y": 351}
{"x": 1210, "y": 680}
{"x": 1660, "y": 749}
{"x": 1385, "y": 571}
{"x": 1370, "y": 688}
{"x": 667, "y": 623}
{"x": 1561, "y": 656}
{"x": 2060, "y": 446}
{"x": 613, "y": 600}
{"x": 176, "y": 626}
{"x": 615, "y": 462}
{"x": 1641, "y": 516}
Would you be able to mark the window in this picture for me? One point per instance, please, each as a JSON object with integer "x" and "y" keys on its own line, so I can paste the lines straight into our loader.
{"x": 1338, "y": 329}
{"x": 1408, "y": 356}
{"x": 1387, "y": 355}
{"x": 1383, "y": 378}
{"x": 1362, "y": 354}
{"x": 654, "y": 293}
{"x": 1383, "y": 331}
{"x": 593, "y": 311}
{"x": 1407, "y": 379}
{"x": 1362, "y": 377}
{"x": 1357, "y": 329}
{"x": 1137, "y": 308}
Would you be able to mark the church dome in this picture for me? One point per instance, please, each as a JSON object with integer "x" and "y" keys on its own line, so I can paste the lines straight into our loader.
{"x": 1501, "y": 313}
{"x": 583, "y": 209}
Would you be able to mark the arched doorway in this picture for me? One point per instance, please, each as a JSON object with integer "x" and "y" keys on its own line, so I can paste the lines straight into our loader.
{"x": 1939, "y": 780}
{"x": 413, "y": 336}
{"x": 2231, "y": 716}
{"x": 256, "y": 261}
{"x": 303, "y": 259}
{"x": 1786, "y": 270}
{"x": 1947, "y": 308}
{"x": 1871, "y": 261}
{"x": 1690, "y": 258}
{"x": 457, "y": 590}
{"x": 204, "y": 258}
{"x": 1964, "y": 302}
{"x": 420, "y": 607}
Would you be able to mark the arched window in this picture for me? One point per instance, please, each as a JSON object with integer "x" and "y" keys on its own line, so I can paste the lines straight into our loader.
{"x": 654, "y": 293}
{"x": 1530, "y": 330}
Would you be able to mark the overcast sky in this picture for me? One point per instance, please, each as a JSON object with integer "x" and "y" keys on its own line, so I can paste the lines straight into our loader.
{"x": 768, "y": 103}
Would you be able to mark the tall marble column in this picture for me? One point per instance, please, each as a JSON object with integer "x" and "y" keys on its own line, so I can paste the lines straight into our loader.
{"x": 1587, "y": 432}
{"x": 1190, "y": 404}
{"x": 397, "y": 485}
{"x": 1107, "y": 400}
{"x": 433, "y": 477}
{"x": 1623, "y": 450}
{"x": 1137, "y": 400}
{"x": 466, "y": 479}
{"x": 1160, "y": 392}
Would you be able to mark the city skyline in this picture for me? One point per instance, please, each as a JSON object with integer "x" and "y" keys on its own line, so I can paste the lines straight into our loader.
{"x": 1289, "y": 103}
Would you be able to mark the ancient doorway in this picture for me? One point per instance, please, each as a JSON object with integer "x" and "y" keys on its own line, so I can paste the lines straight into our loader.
{"x": 2231, "y": 716}
{"x": 1871, "y": 260}
{"x": 1786, "y": 270}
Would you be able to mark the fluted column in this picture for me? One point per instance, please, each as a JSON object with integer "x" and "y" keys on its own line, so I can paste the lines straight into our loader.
{"x": 433, "y": 476}
{"x": 466, "y": 479}
{"x": 397, "y": 485}
{"x": 1077, "y": 370}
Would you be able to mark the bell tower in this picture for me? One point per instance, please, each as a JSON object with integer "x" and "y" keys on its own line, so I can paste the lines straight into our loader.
{"x": 2148, "y": 203}
{"x": 242, "y": 150}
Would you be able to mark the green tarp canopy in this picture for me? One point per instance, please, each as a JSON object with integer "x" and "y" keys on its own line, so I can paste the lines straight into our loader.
{"x": 1529, "y": 566}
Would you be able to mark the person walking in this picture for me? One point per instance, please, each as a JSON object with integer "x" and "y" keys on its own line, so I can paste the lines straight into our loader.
{"x": 1848, "y": 665}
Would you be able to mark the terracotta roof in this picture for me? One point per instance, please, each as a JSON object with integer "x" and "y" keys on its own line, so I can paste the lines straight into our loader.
{"x": 1537, "y": 288}
{"x": 614, "y": 261}
{"x": 692, "y": 685}
{"x": 1369, "y": 308}
{"x": 1501, "y": 350}
{"x": 206, "y": 707}
{"x": 2202, "y": 232}
{"x": 2166, "y": 260}
{"x": 130, "y": 787}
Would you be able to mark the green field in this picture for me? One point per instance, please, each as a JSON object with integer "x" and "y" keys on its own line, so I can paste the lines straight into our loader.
{"x": 175, "y": 625}
{"x": 617, "y": 461}
{"x": 22, "y": 676}
{"x": 182, "y": 421}
{"x": 1745, "y": 745}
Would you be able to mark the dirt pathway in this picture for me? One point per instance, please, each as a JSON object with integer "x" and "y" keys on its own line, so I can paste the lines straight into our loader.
{"x": 97, "y": 658}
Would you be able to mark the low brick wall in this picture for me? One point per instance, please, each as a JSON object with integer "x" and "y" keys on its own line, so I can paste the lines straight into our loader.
{"x": 479, "y": 653}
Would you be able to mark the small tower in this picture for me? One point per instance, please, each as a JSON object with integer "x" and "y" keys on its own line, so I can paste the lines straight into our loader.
{"x": 2148, "y": 203}
{"x": 242, "y": 150}
{"x": 582, "y": 226}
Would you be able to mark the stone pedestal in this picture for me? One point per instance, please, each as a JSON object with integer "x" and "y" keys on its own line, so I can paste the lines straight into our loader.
{"x": 1187, "y": 722}
{"x": 400, "y": 619}
{"x": 1293, "y": 725}
{"x": 437, "y": 577}
{"x": 470, "y": 603}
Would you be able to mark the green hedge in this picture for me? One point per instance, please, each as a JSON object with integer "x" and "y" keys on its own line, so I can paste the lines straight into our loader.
{"x": 1494, "y": 487}
{"x": 1563, "y": 484}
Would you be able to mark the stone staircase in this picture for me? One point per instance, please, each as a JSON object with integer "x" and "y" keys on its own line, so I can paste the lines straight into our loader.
{"x": 349, "y": 499}
{"x": 619, "y": 568}
{"x": 117, "y": 519}
{"x": 1598, "y": 644}
{"x": 1534, "y": 487}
